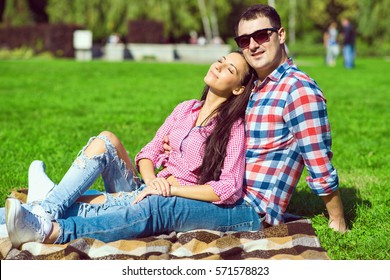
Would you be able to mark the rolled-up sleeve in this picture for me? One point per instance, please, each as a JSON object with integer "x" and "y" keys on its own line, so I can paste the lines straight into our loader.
{"x": 307, "y": 117}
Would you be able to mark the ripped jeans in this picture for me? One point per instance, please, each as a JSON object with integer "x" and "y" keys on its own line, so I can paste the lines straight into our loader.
{"x": 156, "y": 215}
{"x": 117, "y": 218}
{"x": 62, "y": 200}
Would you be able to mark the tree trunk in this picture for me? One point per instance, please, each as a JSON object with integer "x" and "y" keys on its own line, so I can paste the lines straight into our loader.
{"x": 205, "y": 20}
{"x": 214, "y": 21}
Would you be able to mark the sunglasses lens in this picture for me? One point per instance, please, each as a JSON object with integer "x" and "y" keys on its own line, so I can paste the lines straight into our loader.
{"x": 259, "y": 36}
{"x": 242, "y": 41}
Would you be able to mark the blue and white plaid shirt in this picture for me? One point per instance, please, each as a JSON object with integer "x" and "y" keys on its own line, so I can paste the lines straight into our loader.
{"x": 287, "y": 128}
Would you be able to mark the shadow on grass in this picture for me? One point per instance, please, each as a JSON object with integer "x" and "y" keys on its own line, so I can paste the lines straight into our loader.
{"x": 307, "y": 204}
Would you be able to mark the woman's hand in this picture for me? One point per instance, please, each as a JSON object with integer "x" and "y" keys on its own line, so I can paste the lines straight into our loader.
{"x": 157, "y": 186}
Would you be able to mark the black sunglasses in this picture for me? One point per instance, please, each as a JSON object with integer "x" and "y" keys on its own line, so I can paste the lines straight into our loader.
{"x": 260, "y": 36}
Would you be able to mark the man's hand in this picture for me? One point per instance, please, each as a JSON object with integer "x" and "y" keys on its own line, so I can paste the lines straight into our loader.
{"x": 338, "y": 225}
{"x": 335, "y": 209}
{"x": 167, "y": 148}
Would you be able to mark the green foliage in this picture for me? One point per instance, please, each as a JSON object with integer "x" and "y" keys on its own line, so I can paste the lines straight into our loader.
{"x": 17, "y": 13}
{"x": 23, "y": 53}
{"x": 20, "y": 53}
{"x": 104, "y": 17}
{"x": 374, "y": 21}
{"x": 50, "y": 108}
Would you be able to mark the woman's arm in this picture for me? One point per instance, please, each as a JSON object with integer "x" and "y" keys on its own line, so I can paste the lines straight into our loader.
{"x": 160, "y": 186}
{"x": 147, "y": 170}
{"x": 198, "y": 192}
{"x": 226, "y": 190}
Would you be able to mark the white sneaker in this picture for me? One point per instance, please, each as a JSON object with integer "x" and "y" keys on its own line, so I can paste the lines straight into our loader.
{"x": 24, "y": 226}
{"x": 37, "y": 209}
{"x": 39, "y": 184}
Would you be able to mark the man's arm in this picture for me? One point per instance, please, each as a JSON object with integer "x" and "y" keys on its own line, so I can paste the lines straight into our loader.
{"x": 335, "y": 209}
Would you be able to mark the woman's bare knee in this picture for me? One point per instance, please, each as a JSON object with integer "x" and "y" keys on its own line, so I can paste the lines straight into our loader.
{"x": 96, "y": 147}
{"x": 108, "y": 134}
{"x": 122, "y": 153}
{"x": 112, "y": 137}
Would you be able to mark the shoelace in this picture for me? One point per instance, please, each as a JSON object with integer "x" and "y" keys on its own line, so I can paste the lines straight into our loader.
{"x": 35, "y": 222}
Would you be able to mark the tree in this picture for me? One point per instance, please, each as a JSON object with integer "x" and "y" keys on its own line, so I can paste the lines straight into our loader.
{"x": 16, "y": 12}
{"x": 205, "y": 19}
{"x": 2, "y": 8}
{"x": 38, "y": 10}
{"x": 104, "y": 17}
{"x": 20, "y": 12}
{"x": 373, "y": 20}
{"x": 209, "y": 17}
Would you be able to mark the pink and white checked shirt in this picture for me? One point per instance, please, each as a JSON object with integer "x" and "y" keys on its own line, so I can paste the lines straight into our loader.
{"x": 187, "y": 142}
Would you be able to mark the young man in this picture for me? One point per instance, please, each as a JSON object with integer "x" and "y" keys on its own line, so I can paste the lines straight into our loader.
{"x": 287, "y": 126}
{"x": 349, "y": 37}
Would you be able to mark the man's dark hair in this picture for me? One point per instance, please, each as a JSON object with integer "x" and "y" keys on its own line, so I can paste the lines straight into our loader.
{"x": 260, "y": 10}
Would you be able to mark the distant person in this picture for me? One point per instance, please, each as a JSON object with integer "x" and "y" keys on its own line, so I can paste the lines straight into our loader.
{"x": 349, "y": 37}
{"x": 193, "y": 37}
{"x": 217, "y": 40}
{"x": 114, "y": 39}
{"x": 331, "y": 44}
{"x": 202, "y": 41}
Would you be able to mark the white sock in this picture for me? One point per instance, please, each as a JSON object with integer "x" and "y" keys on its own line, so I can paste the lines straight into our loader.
{"x": 39, "y": 184}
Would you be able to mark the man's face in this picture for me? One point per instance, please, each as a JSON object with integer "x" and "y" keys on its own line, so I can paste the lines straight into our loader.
{"x": 265, "y": 57}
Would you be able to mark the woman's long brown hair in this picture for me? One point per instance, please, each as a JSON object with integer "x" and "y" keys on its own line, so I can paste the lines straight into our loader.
{"x": 226, "y": 115}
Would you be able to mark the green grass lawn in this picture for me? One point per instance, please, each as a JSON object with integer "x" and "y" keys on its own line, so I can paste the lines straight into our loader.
{"x": 50, "y": 108}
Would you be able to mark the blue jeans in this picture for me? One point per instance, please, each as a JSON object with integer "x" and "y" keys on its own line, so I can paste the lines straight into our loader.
{"x": 349, "y": 56}
{"x": 156, "y": 215}
{"x": 117, "y": 218}
{"x": 61, "y": 202}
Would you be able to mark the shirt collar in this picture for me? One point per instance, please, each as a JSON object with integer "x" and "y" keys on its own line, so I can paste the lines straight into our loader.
{"x": 197, "y": 105}
{"x": 276, "y": 75}
{"x": 195, "y": 113}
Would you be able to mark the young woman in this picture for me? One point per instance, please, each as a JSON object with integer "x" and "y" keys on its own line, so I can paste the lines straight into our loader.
{"x": 201, "y": 177}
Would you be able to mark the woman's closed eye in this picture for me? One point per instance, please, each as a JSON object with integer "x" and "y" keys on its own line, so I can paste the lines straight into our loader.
{"x": 231, "y": 67}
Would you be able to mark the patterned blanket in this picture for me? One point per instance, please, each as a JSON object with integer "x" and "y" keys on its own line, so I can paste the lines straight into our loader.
{"x": 293, "y": 240}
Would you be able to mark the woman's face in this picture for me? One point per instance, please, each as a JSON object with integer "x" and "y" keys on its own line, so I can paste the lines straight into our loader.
{"x": 226, "y": 74}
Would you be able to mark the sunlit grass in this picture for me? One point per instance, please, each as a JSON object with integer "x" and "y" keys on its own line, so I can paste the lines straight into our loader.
{"x": 50, "y": 108}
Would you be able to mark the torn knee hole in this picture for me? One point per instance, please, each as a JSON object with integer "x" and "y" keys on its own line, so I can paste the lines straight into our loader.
{"x": 95, "y": 148}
